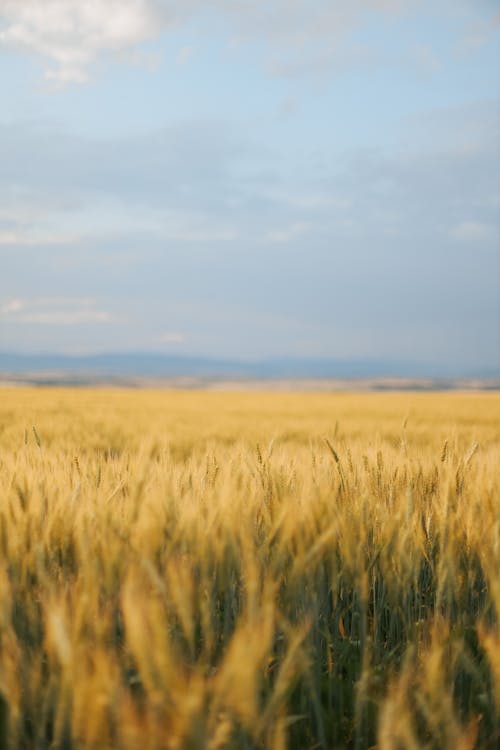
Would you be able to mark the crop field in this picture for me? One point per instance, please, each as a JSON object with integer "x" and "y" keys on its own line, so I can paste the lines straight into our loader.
{"x": 194, "y": 570}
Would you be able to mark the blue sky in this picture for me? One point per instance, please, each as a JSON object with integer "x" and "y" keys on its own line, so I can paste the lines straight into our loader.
{"x": 248, "y": 179}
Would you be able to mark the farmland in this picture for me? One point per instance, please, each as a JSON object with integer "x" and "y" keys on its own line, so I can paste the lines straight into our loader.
{"x": 249, "y": 570}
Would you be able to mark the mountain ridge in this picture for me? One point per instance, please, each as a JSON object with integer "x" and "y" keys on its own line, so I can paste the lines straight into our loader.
{"x": 162, "y": 365}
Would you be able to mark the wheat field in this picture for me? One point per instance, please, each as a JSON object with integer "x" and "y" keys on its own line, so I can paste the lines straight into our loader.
{"x": 195, "y": 570}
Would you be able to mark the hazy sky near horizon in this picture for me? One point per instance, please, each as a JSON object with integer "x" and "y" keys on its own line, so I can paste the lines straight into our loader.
{"x": 246, "y": 179}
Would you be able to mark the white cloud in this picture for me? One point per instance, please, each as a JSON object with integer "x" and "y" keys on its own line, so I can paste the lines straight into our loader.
{"x": 13, "y": 306}
{"x": 25, "y": 238}
{"x": 71, "y": 34}
{"x": 289, "y": 234}
{"x": 171, "y": 337}
{"x": 66, "y": 317}
{"x": 471, "y": 231}
{"x": 53, "y": 311}
{"x": 302, "y": 37}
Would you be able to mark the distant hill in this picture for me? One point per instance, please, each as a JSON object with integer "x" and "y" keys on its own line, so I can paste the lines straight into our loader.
{"x": 157, "y": 366}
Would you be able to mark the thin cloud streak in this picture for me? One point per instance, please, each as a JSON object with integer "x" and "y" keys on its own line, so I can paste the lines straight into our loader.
{"x": 54, "y": 311}
{"x": 68, "y": 318}
{"x": 171, "y": 337}
{"x": 472, "y": 231}
{"x": 23, "y": 238}
{"x": 284, "y": 236}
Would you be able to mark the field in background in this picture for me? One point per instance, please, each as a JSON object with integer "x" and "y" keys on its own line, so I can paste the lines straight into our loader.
{"x": 235, "y": 570}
